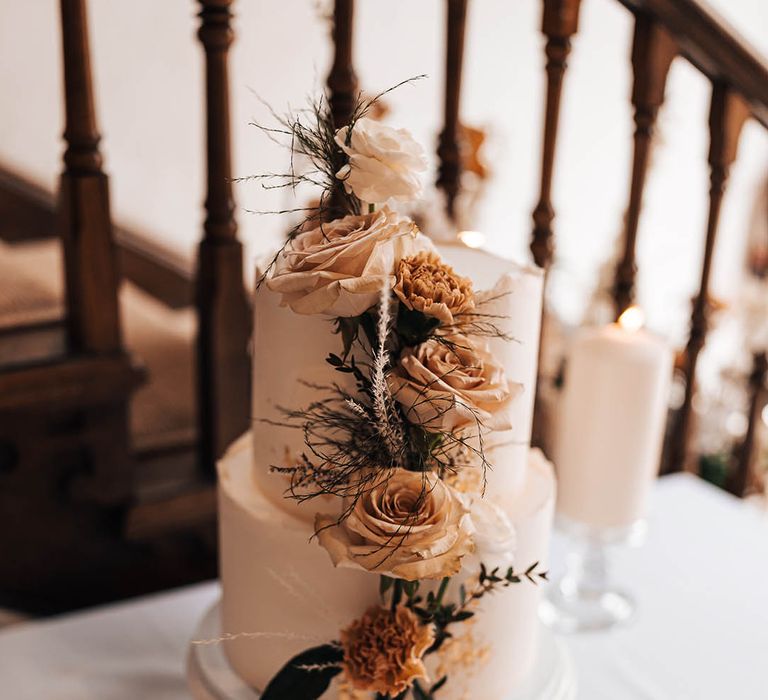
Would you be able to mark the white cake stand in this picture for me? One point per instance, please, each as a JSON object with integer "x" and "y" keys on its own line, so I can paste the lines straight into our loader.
{"x": 210, "y": 676}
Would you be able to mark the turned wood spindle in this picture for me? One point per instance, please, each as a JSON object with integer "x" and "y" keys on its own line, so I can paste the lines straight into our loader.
{"x": 653, "y": 50}
{"x": 223, "y": 310}
{"x": 449, "y": 146}
{"x": 342, "y": 89}
{"x": 342, "y": 80}
{"x": 560, "y": 23}
{"x": 90, "y": 266}
{"x": 745, "y": 475}
{"x": 727, "y": 115}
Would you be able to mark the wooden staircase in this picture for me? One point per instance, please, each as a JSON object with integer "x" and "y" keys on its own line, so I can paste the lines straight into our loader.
{"x": 107, "y": 457}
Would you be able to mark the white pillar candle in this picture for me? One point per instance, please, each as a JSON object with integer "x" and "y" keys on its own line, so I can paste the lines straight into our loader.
{"x": 613, "y": 413}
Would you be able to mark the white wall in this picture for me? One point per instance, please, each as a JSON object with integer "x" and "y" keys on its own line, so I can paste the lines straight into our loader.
{"x": 148, "y": 72}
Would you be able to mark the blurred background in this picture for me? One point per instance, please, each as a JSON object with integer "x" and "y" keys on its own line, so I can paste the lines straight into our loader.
{"x": 103, "y": 492}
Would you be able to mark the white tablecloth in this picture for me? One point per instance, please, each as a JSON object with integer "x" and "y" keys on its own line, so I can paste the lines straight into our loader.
{"x": 701, "y": 633}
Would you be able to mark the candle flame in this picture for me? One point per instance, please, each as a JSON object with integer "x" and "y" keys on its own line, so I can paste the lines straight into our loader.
{"x": 632, "y": 319}
{"x": 472, "y": 239}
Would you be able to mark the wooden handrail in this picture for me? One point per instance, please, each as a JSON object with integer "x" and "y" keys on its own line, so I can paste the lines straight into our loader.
{"x": 714, "y": 47}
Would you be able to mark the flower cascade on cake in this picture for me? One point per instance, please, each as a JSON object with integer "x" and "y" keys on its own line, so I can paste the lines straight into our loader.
{"x": 411, "y": 395}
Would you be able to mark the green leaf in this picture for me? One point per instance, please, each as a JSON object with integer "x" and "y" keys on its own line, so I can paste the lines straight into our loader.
{"x": 334, "y": 360}
{"x": 438, "y": 685}
{"x": 410, "y": 588}
{"x": 348, "y": 328}
{"x": 385, "y": 583}
{"x": 414, "y": 327}
{"x": 419, "y": 693}
{"x": 531, "y": 568}
{"x": 297, "y": 683}
{"x": 461, "y": 616}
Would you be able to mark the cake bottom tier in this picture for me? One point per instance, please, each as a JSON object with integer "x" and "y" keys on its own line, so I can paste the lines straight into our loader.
{"x": 281, "y": 594}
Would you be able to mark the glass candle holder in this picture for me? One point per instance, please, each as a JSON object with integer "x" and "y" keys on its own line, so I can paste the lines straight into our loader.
{"x": 585, "y": 597}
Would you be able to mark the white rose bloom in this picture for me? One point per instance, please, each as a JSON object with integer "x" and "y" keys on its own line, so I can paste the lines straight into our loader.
{"x": 494, "y": 534}
{"x": 383, "y": 162}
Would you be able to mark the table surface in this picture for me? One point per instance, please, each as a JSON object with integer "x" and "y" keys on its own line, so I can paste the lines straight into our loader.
{"x": 701, "y": 631}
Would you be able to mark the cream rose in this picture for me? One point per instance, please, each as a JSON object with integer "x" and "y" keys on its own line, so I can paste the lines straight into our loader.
{"x": 383, "y": 162}
{"x": 409, "y": 525}
{"x": 494, "y": 534}
{"x": 339, "y": 268}
{"x": 451, "y": 384}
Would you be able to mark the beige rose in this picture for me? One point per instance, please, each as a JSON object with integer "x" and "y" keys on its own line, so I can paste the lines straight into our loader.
{"x": 383, "y": 162}
{"x": 451, "y": 384}
{"x": 423, "y": 282}
{"x": 383, "y": 651}
{"x": 409, "y": 525}
{"x": 339, "y": 268}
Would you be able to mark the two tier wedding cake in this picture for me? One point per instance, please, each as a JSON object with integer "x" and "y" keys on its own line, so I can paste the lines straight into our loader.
{"x": 384, "y": 525}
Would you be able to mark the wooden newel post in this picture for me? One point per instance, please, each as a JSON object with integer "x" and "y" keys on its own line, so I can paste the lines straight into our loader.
{"x": 93, "y": 317}
{"x": 223, "y": 310}
{"x": 745, "y": 476}
{"x": 727, "y": 115}
{"x": 560, "y": 23}
{"x": 449, "y": 146}
{"x": 653, "y": 50}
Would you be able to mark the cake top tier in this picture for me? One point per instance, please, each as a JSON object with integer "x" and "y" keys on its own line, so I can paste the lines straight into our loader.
{"x": 290, "y": 352}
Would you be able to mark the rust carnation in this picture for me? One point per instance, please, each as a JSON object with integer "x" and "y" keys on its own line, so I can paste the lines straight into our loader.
{"x": 383, "y": 650}
{"x": 425, "y": 283}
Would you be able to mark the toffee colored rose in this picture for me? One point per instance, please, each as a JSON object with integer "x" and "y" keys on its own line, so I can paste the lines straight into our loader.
{"x": 339, "y": 268}
{"x": 383, "y": 650}
{"x": 425, "y": 283}
{"x": 383, "y": 162}
{"x": 409, "y": 525}
{"x": 452, "y": 384}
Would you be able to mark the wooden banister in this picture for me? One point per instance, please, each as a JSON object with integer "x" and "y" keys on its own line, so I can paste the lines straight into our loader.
{"x": 653, "y": 50}
{"x": 727, "y": 115}
{"x": 714, "y": 47}
{"x": 93, "y": 317}
{"x": 223, "y": 310}
{"x": 560, "y": 22}
{"x": 449, "y": 148}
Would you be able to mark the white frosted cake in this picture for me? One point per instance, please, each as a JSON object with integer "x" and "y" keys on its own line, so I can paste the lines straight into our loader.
{"x": 396, "y": 592}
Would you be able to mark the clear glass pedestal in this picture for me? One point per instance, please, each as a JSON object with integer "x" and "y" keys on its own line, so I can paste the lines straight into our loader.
{"x": 585, "y": 597}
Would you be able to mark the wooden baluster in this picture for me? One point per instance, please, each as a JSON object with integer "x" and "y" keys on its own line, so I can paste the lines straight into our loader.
{"x": 93, "y": 316}
{"x": 743, "y": 479}
{"x": 223, "y": 310}
{"x": 342, "y": 88}
{"x": 448, "y": 150}
{"x": 559, "y": 24}
{"x": 342, "y": 81}
{"x": 727, "y": 115}
{"x": 653, "y": 50}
